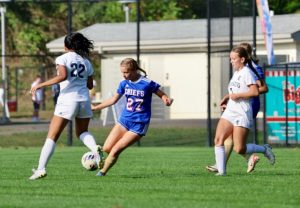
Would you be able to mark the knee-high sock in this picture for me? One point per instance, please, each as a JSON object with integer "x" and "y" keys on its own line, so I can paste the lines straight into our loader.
{"x": 109, "y": 162}
{"x": 220, "y": 159}
{"x": 46, "y": 153}
{"x": 254, "y": 148}
{"x": 88, "y": 140}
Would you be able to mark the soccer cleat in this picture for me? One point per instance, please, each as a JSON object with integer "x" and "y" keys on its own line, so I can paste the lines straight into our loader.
{"x": 101, "y": 161}
{"x": 253, "y": 160}
{"x": 37, "y": 174}
{"x": 100, "y": 174}
{"x": 269, "y": 154}
{"x": 212, "y": 168}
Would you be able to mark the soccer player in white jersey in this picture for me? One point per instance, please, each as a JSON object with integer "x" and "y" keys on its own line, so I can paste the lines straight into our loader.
{"x": 75, "y": 77}
{"x": 237, "y": 118}
{"x": 135, "y": 118}
{"x": 259, "y": 77}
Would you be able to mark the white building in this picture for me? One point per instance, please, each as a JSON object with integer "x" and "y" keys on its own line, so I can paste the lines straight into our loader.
{"x": 174, "y": 53}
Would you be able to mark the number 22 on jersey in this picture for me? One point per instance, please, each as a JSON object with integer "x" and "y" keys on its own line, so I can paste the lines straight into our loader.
{"x": 77, "y": 70}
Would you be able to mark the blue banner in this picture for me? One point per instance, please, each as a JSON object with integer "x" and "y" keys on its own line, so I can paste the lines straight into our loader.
{"x": 266, "y": 27}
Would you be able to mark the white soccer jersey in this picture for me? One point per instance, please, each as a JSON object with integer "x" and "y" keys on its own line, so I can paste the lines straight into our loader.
{"x": 240, "y": 111}
{"x": 74, "y": 88}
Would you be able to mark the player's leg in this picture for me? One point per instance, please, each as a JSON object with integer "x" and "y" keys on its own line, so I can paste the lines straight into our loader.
{"x": 81, "y": 126}
{"x": 114, "y": 136}
{"x": 36, "y": 107}
{"x": 240, "y": 147}
{"x": 253, "y": 159}
{"x": 87, "y": 138}
{"x": 239, "y": 139}
{"x": 264, "y": 149}
{"x": 228, "y": 146}
{"x": 82, "y": 119}
{"x": 127, "y": 139}
{"x": 56, "y": 127}
{"x": 223, "y": 131}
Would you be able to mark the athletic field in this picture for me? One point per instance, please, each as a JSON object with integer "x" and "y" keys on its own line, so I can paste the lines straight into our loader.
{"x": 149, "y": 177}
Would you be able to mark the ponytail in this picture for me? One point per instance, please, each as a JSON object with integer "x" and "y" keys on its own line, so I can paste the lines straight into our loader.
{"x": 79, "y": 44}
{"x": 142, "y": 70}
{"x": 249, "y": 62}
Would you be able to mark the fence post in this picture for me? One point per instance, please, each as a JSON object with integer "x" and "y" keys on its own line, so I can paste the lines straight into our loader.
{"x": 286, "y": 107}
{"x": 265, "y": 140}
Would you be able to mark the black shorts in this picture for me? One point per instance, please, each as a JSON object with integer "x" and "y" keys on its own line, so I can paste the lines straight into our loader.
{"x": 36, "y": 105}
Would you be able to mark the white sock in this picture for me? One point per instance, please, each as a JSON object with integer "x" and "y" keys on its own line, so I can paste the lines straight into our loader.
{"x": 89, "y": 141}
{"x": 254, "y": 148}
{"x": 220, "y": 159}
{"x": 46, "y": 153}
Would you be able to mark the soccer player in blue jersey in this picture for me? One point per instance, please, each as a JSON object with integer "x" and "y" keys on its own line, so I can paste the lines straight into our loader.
{"x": 135, "y": 118}
{"x": 255, "y": 105}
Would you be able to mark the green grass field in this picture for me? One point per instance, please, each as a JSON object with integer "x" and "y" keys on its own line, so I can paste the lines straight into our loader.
{"x": 166, "y": 171}
{"x": 149, "y": 177}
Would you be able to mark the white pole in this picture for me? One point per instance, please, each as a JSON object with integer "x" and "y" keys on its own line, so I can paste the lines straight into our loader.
{"x": 2, "y": 11}
{"x": 126, "y": 10}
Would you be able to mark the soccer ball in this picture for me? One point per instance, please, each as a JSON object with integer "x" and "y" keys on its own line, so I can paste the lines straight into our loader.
{"x": 90, "y": 160}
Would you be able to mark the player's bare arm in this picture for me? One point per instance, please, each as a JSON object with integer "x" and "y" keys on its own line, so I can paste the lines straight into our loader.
{"x": 252, "y": 92}
{"x": 167, "y": 101}
{"x": 106, "y": 103}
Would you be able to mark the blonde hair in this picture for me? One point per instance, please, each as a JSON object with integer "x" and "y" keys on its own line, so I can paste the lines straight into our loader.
{"x": 132, "y": 65}
{"x": 249, "y": 50}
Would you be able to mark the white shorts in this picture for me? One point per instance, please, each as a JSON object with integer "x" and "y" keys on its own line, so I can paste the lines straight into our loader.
{"x": 238, "y": 119}
{"x": 70, "y": 110}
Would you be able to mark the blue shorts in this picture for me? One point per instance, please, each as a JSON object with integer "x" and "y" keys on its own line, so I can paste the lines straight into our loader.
{"x": 139, "y": 128}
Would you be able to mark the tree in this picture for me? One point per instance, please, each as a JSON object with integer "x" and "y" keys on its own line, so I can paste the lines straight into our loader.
{"x": 284, "y": 6}
{"x": 31, "y": 24}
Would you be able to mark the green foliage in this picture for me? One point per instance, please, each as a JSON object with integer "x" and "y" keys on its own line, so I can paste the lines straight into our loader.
{"x": 149, "y": 177}
{"x": 160, "y": 10}
{"x": 31, "y": 24}
{"x": 30, "y": 27}
{"x": 86, "y": 14}
{"x": 293, "y": 7}
{"x": 284, "y": 7}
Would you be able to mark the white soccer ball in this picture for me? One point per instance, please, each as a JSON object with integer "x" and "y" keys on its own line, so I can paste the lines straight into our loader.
{"x": 90, "y": 160}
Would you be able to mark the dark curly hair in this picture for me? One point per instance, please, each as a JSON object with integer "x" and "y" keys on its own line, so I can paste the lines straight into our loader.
{"x": 79, "y": 43}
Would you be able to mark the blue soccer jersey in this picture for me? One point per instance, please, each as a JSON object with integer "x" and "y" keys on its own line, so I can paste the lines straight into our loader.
{"x": 138, "y": 98}
{"x": 255, "y": 103}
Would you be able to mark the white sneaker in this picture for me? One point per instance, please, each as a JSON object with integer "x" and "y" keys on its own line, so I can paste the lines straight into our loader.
{"x": 269, "y": 154}
{"x": 101, "y": 160}
{"x": 253, "y": 160}
{"x": 38, "y": 174}
{"x": 212, "y": 168}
